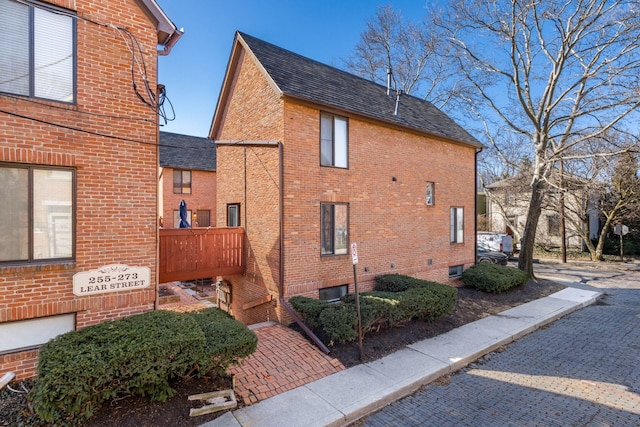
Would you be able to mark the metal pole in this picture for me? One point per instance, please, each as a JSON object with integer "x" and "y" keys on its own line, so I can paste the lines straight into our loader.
{"x": 355, "y": 281}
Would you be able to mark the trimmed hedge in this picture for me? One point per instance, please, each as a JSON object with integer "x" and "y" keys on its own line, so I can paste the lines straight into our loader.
{"x": 226, "y": 340}
{"x": 396, "y": 300}
{"x": 494, "y": 278}
{"x": 309, "y": 309}
{"x": 136, "y": 355}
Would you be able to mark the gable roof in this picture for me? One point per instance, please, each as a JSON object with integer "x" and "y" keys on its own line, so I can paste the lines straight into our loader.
{"x": 304, "y": 79}
{"x": 187, "y": 152}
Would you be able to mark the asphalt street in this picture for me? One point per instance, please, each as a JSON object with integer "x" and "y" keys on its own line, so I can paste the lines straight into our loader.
{"x": 582, "y": 370}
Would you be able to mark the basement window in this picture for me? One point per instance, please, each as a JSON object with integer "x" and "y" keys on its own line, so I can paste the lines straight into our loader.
{"x": 455, "y": 271}
{"x": 333, "y": 294}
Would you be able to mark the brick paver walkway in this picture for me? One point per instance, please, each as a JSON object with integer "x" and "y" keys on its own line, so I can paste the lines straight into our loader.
{"x": 283, "y": 360}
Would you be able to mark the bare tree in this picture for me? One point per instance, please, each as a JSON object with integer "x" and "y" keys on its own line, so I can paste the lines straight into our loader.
{"x": 410, "y": 50}
{"x": 557, "y": 73}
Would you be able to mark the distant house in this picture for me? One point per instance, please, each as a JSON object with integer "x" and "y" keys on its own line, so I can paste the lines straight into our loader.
{"x": 508, "y": 205}
{"x": 187, "y": 172}
{"x": 311, "y": 159}
{"x": 78, "y": 167}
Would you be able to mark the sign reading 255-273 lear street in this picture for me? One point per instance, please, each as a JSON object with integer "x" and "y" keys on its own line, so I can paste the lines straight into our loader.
{"x": 111, "y": 278}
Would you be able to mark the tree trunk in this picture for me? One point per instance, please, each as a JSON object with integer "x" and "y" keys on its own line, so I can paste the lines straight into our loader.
{"x": 525, "y": 260}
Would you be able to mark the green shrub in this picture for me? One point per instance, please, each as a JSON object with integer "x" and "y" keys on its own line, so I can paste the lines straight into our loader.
{"x": 309, "y": 309}
{"x": 378, "y": 309}
{"x": 226, "y": 340}
{"x": 396, "y": 283}
{"x": 136, "y": 355}
{"x": 396, "y": 300}
{"x": 493, "y": 278}
{"x": 340, "y": 323}
{"x": 428, "y": 302}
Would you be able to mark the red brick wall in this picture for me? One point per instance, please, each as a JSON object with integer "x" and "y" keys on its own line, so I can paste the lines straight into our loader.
{"x": 202, "y": 197}
{"x": 388, "y": 217}
{"x": 116, "y": 188}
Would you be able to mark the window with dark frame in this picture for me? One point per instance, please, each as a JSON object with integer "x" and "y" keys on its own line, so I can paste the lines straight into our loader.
{"x": 334, "y": 141}
{"x": 233, "y": 215}
{"x": 334, "y": 224}
{"x": 38, "y": 51}
{"x": 455, "y": 271}
{"x": 553, "y": 225}
{"x": 38, "y": 224}
{"x": 203, "y": 218}
{"x": 456, "y": 234}
{"x": 332, "y": 294}
{"x": 181, "y": 181}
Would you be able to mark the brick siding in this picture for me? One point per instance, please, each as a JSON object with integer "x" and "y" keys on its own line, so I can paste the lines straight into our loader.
{"x": 384, "y": 187}
{"x": 116, "y": 207}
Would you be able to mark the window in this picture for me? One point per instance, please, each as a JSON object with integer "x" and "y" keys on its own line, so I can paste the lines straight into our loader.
{"x": 233, "y": 215}
{"x": 455, "y": 271}
{"x": 334, "y": 221}
{"x": 37, "y": 47}
{"x": 333, "y": 141}
{"x": 32, "y": 333}
{"x": 430, "y": 194}
{"x": 176, "y": 217}
{"x": 456, "y": 234}
{"x": 202, "y": 219}
{"x": 37, "y": 224}
{"x": 181, "y": 182}
{"x": 553, "y": 225}
{"x": 332, "y": 294}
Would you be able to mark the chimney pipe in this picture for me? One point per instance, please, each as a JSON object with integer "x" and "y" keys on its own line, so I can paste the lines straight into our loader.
{"x": 398, "y": 93}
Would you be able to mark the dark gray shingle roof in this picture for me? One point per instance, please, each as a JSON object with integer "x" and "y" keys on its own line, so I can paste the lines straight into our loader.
{"x": 187, "y": 152}
{"x": 313, "y": 81}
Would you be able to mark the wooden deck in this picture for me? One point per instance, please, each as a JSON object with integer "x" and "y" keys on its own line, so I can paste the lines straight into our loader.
{"x": 199, "y": 253}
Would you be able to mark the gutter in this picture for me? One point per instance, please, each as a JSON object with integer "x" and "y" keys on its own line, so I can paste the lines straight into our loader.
{"x": 475, "y": 204}
{"x": 168, "y": 33}
{"x": 285, "y": 304}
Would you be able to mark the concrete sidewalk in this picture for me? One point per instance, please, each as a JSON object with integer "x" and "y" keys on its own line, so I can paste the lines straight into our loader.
{"x": 346, "y": 396}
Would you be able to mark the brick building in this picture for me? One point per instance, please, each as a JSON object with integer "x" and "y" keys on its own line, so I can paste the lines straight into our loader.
{"x": 311, "y": 159}
{"x": 187, "y": 172}
{"x": 78, "y": 166}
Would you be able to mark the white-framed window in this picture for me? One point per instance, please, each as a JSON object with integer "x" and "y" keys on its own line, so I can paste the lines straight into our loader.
{"x": 38, "y": 51}
{"x": 334, "y": 136}
{"x": 334, "y": 225}
{"x": 176, "y": 217}
{"x": 37, "y": 213}
{"x": 455, "y": 271}
{"x": 456, "y": 234}
{"x": 332, "y": 294}
{"x": 181, "y": 181}
{"x": 430, "y": 195}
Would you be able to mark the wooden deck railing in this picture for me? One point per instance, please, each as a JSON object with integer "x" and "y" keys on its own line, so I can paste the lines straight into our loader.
{"x": 199, "y": 253}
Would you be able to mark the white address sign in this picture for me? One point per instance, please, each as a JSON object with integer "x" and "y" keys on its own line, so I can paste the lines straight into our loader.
{"x": 111, "y": 278}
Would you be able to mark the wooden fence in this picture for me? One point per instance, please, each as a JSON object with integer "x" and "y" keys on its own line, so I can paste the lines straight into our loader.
{"x": 200, "y": 253}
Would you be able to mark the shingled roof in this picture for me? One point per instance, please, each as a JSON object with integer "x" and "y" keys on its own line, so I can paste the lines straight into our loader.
{"x": 309, "y": 80}
{"x": 187, "y": 152}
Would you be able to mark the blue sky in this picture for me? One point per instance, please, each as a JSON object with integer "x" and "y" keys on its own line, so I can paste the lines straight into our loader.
{"x": 324, "y": 30}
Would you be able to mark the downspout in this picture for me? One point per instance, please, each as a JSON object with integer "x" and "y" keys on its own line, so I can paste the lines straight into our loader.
{"x": 286, "y": 305}
{"x": 475, "y": 203}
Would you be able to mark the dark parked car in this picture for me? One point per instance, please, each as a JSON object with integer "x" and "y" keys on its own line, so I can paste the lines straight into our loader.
{"x": 483, "y": 255}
